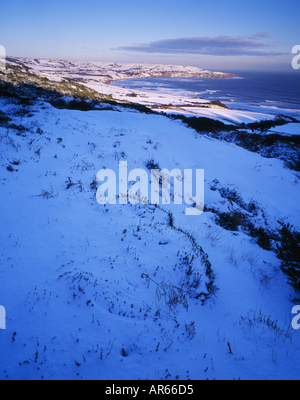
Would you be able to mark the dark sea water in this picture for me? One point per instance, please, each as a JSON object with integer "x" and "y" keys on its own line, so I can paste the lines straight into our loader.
{"x": 275, "y": 92}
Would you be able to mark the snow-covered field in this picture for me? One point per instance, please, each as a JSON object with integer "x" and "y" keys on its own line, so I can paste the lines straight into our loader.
{"x": 85, "y": 285}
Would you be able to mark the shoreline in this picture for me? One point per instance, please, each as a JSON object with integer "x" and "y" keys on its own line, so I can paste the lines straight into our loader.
{"x": 204, "y": 76}
{"x": 183, "y": 104}
{"x": 99, "y": 76}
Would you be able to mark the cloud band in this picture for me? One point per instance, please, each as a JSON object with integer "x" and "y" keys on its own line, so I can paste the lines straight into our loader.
{"x": 219, "y": 46}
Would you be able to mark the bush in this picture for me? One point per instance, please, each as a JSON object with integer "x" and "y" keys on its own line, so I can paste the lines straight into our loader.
{"x": 171, "y": 294}
{"x": 151, "y": 164}
{"x": 233, "y": 196}
{"x": 170, "y": 219}
{"x": 203, "y": 124}
{"x": 288, "y": 251}
{"x": 265, "y": 125}
{"x": 263, "y": 238}
{"x": 232, "y": 220}
{"x": 4, "y": 119}
{"x": 80, "y": 105}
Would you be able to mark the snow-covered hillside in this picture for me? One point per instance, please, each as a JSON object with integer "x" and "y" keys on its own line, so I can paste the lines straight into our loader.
{"x": 138, "y": 291}
{"x": 106, "y": 72}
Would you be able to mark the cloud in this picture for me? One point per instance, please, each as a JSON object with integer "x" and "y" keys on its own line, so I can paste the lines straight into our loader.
{"x": 252, "y": 45}
{"x": 259, "y": 35}
{"x": 89, "y": 49}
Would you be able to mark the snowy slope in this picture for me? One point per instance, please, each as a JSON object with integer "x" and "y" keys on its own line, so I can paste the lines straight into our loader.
{"x": 71, "y": 270}
{"x": 106, "y": 72}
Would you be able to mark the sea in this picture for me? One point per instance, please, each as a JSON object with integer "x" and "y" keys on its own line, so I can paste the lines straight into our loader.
{"x": 259, "y": 91}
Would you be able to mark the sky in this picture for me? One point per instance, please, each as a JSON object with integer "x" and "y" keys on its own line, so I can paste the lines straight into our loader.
{"x": 216, "y": 35}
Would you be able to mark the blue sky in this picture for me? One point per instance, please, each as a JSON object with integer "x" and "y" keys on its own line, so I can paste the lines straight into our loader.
{"x": 217, "y": 35}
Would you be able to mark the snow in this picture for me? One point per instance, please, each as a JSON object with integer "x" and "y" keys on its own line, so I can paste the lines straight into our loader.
{"x": 71, "y": 269}
{"x": 223, "y": 115}
{"x": 289, "y": 129}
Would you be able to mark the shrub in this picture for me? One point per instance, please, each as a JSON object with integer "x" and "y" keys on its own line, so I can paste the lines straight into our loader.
{"x": 233, "y": 196}
{"x": 265, "y": 125}
{"x": 263, "y": 237}
{"x": 288, "y": 251}
{"x": 263, "y": 324}
{"x": 203, "y": 124}
{"x": 4, "y": 119}
{"x": 253, "y": 207}
{"x": 93, "y": 185}
{"x": 232, "y": 220}
{"x": 151, "y": 164}
{"x": 170, "y": 219}
{"x": 171, "y": 294}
